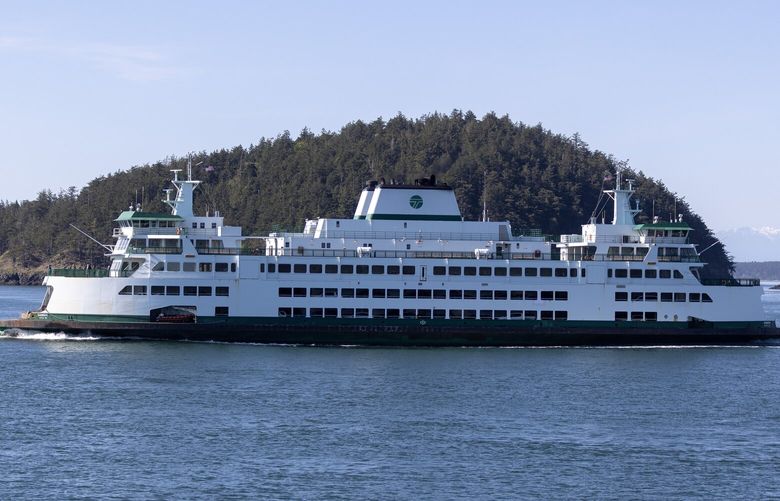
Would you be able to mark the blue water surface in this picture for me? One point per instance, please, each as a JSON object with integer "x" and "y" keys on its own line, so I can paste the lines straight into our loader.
{"x": 87, "y": 418}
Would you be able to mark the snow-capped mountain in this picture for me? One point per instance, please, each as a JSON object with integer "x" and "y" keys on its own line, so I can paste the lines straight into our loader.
{"x": 752, "y": 244}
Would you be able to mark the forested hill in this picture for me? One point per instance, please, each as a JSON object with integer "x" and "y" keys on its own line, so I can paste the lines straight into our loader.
{"x": 528, "y": 175}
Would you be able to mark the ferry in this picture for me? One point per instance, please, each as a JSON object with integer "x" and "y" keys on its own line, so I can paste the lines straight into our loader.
{"x": 406, "y": 270}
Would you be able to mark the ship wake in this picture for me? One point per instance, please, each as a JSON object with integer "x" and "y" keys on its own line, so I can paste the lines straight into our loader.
{"x": 45, "y": 336}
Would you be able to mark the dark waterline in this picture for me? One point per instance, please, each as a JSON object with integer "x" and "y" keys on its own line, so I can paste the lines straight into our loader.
{"x": 102, "y": 419}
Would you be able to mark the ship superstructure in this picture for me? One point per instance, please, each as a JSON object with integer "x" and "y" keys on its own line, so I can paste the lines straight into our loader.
{"x": 406, "y": 263}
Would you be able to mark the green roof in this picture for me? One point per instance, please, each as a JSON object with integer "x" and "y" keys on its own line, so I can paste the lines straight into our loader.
{"x": 663, "y": 226}
{"x": 131, "y": 215}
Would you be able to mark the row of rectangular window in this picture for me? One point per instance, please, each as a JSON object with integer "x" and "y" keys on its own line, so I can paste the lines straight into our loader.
{"x": 203, "y": 267}
{"x": 516, "y": 295}
{"x": 344, "y": 269}
{"x": 513, "y": 271}
{"x": 379, "y": 269}
{"x": 393, "y": 313}
{"x": 174, "y": 290}
{"x": 636, "y": 273}
{"x": 666, "y": 297}
{"x": 636, "y": 316}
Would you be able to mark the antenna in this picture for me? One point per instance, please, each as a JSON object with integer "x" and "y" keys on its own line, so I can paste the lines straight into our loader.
{"x": 484, "y": 197}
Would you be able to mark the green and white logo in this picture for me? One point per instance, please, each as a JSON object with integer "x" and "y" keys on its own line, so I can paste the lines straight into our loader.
{"x": 416, "y": 201}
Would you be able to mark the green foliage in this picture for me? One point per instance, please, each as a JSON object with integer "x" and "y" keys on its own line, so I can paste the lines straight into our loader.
{"x": 525, "y": 174}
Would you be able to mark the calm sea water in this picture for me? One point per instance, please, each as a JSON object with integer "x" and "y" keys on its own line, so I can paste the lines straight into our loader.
{"x": 83, "y": 418}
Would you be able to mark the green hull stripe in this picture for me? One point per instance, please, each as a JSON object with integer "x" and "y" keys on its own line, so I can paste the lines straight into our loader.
{"x": 314, "y": 322}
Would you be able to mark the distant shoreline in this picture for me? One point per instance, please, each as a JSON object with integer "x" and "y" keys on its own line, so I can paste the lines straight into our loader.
{"x": 764, "y": 270}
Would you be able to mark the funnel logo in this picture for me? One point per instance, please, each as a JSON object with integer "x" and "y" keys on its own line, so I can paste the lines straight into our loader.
{"x": 416, "y": 201}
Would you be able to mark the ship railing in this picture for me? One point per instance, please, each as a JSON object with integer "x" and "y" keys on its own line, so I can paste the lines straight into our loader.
{"x": 531, "y": 234}
{"x": 406, "y": 254}
{"x": 679, "y": 259}
{"x": 612, "y": 239}
{"x": 732, "y": 282}
{"x": 154, "y": 250}
{"x": 86, "y": 273}
{"x": 664, "y": 240}
{"x": 229, "y": 251}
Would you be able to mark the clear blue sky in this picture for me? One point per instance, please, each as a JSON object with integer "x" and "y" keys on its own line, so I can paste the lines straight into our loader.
{"x": 689, "y": 92}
